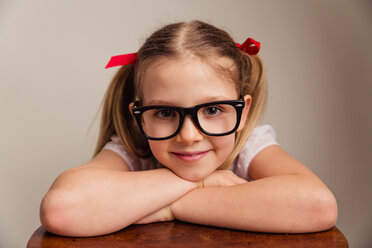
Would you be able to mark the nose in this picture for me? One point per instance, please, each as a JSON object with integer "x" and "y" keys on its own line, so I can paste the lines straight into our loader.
{"x": 189, "y": 133}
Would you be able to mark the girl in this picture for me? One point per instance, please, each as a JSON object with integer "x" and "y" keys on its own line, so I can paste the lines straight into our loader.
{"x": 178, "y": 140}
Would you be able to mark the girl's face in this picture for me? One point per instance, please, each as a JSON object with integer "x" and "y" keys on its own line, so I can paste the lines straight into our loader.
{"x": 191, "y": 154}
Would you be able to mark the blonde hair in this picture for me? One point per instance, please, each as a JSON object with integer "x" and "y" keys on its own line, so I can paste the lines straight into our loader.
{"x": 173, "y": 41}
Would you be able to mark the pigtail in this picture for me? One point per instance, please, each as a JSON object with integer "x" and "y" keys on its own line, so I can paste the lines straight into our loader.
{"x": 253, "y": 83}
{"x": 256, "y": 86}
{"x": 116, "y": 117}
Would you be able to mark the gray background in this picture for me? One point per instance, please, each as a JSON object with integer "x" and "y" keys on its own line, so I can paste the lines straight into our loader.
{"x": 318, "y": 58}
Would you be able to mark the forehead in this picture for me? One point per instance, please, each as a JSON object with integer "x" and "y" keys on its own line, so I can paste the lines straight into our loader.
{"x": 186, "y": 82}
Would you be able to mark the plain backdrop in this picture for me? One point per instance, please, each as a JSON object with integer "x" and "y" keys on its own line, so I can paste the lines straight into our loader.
{"x": 318, "y": 59}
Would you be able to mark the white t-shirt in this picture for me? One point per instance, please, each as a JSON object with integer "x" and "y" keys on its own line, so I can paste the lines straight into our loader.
{"x": 260, "y": 138}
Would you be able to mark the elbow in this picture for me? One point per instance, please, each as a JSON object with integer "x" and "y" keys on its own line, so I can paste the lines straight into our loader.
{"x": 330, "y": 212}
{"x": 54, "y": 213}
{"x": 324, "y": 211}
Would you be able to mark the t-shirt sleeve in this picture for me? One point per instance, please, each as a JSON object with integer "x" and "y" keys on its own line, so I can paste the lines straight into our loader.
{"x": 134, "y": 163}
{"x": 260, "y": 138}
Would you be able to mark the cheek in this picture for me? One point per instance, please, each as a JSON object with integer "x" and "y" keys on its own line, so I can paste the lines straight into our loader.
{"x": 223, "y": 145}
{"x": 158, "y": 149}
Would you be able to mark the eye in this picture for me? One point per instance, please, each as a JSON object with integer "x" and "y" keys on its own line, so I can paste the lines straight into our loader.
{"x": 212, "y": 110}
{"x": 165, "y": 114}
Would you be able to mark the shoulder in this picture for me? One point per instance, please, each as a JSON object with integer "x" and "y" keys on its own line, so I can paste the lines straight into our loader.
{"x": 107, "y": 159}
{"x": 261, "y": 135}
{"x": 134, "y": 162}
{"x": 260, "y": 138}
{"x": 116, "y": 146}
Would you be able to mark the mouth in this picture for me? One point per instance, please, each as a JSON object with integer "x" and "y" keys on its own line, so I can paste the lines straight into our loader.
{"x": 190, "y": 156}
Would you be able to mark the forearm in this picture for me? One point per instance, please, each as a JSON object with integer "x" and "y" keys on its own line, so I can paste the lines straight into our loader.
{"x": 291, "y": 203}
{"x": 94, "y": 201}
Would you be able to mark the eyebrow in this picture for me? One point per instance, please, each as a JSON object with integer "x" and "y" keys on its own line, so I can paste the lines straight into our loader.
{"x": 159, "y": 102}
{"x": 204, "y": 100}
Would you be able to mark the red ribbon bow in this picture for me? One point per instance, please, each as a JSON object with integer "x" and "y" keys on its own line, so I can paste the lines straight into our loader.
{"x": 124, "y": 59}
{"x": 249, "y": 46}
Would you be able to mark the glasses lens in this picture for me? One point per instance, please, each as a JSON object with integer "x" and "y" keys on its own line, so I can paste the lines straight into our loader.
{"x": 217, "y": 119}
{"x": 160, "y": 122}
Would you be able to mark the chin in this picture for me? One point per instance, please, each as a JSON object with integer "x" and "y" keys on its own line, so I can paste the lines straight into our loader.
{"x": 194, "y": 176}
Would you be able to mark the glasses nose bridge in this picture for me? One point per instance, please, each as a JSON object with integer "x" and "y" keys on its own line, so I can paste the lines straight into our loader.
{"x": 188, "y": 111}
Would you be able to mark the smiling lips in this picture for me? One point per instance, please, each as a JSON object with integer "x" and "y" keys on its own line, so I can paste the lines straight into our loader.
{"x": 190, "y": 156}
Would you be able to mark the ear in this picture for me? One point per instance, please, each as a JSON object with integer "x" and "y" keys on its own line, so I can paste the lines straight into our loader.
{"x": 248, "y": 102}
{"x": 131, "y": 108}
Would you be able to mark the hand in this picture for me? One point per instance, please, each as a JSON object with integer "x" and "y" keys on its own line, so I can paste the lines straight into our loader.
{"x": 164, "y": 214}
{"x": 221, "y": 178}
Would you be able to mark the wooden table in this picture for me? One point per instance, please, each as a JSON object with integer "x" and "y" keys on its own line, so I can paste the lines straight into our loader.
{"x": 181, "y": 234}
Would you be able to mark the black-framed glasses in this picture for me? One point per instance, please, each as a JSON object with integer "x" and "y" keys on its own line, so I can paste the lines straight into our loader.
{"x": 160, "y": 122}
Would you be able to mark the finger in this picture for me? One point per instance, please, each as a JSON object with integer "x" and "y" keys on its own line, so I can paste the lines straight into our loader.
{"x": 168, "y": 215}
{"x": 201, "y": 184}
{"x": 240, "y": 180}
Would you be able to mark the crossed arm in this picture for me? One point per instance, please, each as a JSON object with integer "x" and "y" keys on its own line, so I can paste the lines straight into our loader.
{"x": 93, "y": 199}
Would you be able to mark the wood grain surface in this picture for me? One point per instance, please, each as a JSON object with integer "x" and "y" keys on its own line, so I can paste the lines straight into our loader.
{"x": 181, "y": 234}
